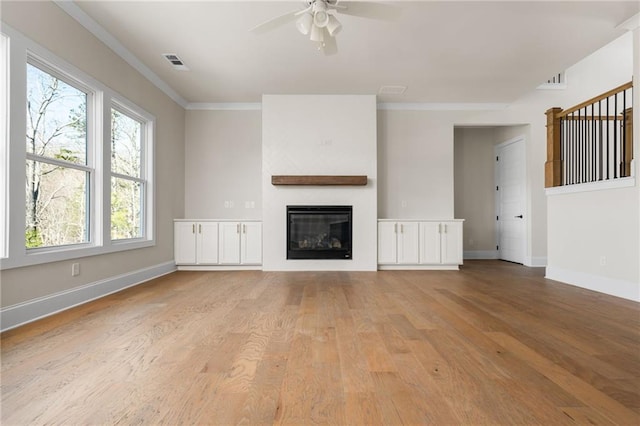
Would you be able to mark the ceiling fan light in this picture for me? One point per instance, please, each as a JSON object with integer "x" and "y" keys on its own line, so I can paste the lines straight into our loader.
{"x": 333, "y": 26}
{"x": 304, "y": 23}
{"x": 321, "y": 18}
{"x": 317, "y": 34}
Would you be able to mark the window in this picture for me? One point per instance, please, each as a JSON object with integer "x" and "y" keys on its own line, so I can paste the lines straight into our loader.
{"x": 58, "y": 170}
{"x": 78, "y": 179}
{"x": 127, "y": 176}
{"x": 4, "y": 137}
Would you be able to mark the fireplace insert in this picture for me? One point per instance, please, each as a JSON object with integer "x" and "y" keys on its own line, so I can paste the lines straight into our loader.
{"x": 319, "y": 232}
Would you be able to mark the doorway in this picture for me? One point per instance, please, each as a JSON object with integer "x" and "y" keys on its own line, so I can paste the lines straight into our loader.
{"x": 510, "y": 172}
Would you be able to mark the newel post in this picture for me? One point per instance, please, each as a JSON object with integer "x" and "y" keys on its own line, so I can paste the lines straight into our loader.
{"x": 628, "y": 142}
{"x": 553, "y": 165}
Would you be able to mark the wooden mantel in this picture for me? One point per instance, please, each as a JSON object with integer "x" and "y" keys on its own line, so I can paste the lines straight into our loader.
{"x": 356, "y": 180}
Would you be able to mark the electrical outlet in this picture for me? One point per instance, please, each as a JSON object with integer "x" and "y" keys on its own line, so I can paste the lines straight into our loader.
{"x": 603, "y": 260}
{"x": 226, "y": 204}
{"x": 403, "y": 204}
{"x": 75, "y": 269}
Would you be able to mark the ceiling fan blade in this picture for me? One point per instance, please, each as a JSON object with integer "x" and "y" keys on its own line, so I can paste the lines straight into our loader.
{"x": 330, "y": 45}
{"x": 371, "y": 10}
{"x": 274, "y": 23}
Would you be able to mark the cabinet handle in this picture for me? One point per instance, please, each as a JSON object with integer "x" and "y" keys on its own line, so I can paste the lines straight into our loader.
{"x": 395, "y": 228}
{"x": 200, "y": 229}
{"x": 238, "y": 228}
{"x": 445, "y": 227}
{"x": 401, "y": 228}
{"x": 244, "y": 229}
{"x": 193, "y": 228}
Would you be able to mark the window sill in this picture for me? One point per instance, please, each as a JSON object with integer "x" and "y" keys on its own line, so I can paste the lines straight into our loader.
{"x": 592, "y": 186}
{"x": 72, "y": 252}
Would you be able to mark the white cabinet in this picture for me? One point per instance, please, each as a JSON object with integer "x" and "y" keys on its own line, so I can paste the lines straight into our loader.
{"x": 441, "y": 243}
{"x": 240, "y": 243}
{"x": 196, "y": 243}
{"x": 217, "y": 243}
{"x": 421, "y": 244}
{"x": 398, "y": 242}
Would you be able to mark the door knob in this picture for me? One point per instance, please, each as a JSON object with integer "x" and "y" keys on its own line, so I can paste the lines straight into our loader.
{"x": 519, "y": 216}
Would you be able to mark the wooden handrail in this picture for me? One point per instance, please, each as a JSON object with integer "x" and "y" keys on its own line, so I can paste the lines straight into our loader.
{"x": 596, "y": 99}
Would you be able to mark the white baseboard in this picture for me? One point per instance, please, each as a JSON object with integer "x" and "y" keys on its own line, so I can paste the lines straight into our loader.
{"x": 480, "y": 254}
{"x": 405, "y": 267}
{"x": 535, "y": 261}
{"x": 23, "y": 313}
{"x": 614, "y": 287}
{"x": 219, "y": 267}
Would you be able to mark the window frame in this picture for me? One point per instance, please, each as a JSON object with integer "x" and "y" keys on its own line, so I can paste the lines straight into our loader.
{"x": 5, "y": 93}
{"x": 146, "y": 166}
{"x": 16, "y": 254}
{"x": 90, "y": 164}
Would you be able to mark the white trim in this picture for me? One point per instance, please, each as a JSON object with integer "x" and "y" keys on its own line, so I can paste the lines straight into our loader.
{"x": 110, "y": 41}
{"x": 418, "y": 267}
{"x": 625, "y": 182}
{"x": 481, "y": 254}
{"x": 552, "y": 86}
{"x": 631, "y": 23}
{"x": 225, "y": 106}
{"x": 421, "y": 106}
{"x": 535, "y": 261}
{"x": 32, "y": 310}
{"x": 388, "y": 106}
{"x": 614, "y": 287}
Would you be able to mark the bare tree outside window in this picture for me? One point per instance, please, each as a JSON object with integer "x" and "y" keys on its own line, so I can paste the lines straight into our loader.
{"x": 57, "y": 174}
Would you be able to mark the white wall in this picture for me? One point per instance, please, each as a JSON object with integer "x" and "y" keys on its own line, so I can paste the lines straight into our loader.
{"x": 415, "y": 165}
{"x": 223, "y": 165}
{"x": 319, "y": 135}
{"x": 594, "y": 236}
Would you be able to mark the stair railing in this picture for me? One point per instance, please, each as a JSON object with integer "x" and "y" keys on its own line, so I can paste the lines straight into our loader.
{"x": 592, "y": 141}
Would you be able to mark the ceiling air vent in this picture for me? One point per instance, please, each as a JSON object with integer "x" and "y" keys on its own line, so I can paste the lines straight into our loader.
{"x": 175, "y": 62}
{"x": 558, "y": 81}
{"x": 391, "y": 90}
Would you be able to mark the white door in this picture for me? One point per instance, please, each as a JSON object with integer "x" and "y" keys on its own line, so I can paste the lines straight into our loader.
{"x": 511, "y": 200}
{"x": 387, "y": 242}
{"x": 451, "y": 242}
{"x": 251, "y": 245}
{"x": 207, "y": 243}
{"x": 184, "y": 235}
{"x": 430, "y": 242}
{"x": 408, "y": 242}
{"x": 229, "y": 238}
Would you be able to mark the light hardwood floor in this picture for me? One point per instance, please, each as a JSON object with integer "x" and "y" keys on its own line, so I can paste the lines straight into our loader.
{"x": 494, "y": 343}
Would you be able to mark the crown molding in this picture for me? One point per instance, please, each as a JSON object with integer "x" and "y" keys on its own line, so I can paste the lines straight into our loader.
{"x": 110, "y": 41}
{"x": 418, "y": 106}
{"x": 225, "y": 106}
{"x": 631, "y": 23}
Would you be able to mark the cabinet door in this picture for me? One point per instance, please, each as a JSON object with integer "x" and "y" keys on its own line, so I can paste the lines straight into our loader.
{"x": 430, "y": 247}
{"x": 229, "y": 239}
{"x": 387, "y": 242}
{"x": 184, "y": 242}
{"x": 408, "y": 237}
{"x": 207, "y": 243}
{"x": 251, "y": 245}
{"x": 451, "y": 238}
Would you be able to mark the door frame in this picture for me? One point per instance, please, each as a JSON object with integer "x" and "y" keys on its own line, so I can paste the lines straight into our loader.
{"x": 525, "y": 221}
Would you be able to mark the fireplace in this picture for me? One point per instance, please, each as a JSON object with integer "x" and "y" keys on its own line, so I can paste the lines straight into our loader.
{"x": 319, "y": 232}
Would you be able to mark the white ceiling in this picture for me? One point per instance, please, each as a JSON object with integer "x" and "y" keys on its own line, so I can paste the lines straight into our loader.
{"x": 443, "y": 51}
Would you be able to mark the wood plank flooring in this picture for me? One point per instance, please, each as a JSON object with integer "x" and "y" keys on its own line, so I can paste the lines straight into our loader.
{"x": 494, "y": 343}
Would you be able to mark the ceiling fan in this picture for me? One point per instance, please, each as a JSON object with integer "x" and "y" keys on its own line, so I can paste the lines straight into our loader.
{"x": 318, "y": 20}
